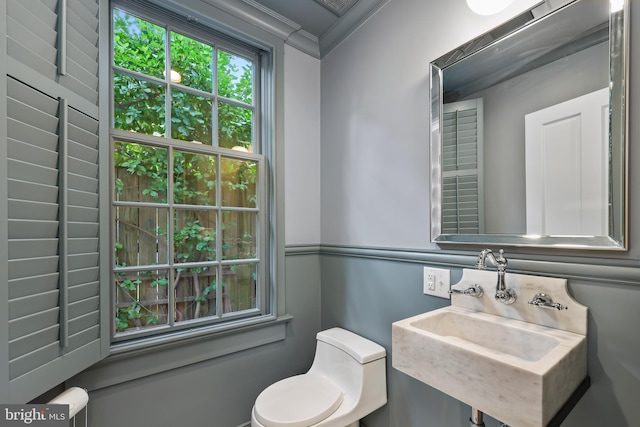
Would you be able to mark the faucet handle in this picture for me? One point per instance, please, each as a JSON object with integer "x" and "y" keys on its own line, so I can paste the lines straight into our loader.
{"x": 544, "y": 301}
{"x": 474, "y": 290}
{"x": 501, "y": 260}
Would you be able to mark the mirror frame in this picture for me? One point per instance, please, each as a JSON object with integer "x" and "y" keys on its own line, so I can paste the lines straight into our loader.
{"x": 618, "y": 131}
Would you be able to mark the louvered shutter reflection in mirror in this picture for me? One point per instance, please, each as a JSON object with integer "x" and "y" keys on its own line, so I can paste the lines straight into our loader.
{"x": 462, "y": 168}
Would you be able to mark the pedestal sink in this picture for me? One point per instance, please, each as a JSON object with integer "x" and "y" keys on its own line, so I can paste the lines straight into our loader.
{"x": 516, "y": 363}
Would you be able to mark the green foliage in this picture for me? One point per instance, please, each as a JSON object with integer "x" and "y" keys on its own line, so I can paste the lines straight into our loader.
{"x": 194, "y": 243}
{"x": 138, "y": 45}
{"x": 210, "y": 288}
{"x": 140, "y": 94}
{"x": 193, "y": 60}
{"x": 194, "y": 179}
{"x": 130, "y": 285}
{"x": 146, "y": 161}
{"x": 234, "y": 127}
{"x": 135, "y": 311}
{"x": 139, "y": 103}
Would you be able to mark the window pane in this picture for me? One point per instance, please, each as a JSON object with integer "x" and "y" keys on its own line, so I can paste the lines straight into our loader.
{"x": 138, "y": 105}
{"x": 191, "y": 62}
{"x": 194, "y": 235}
{"x": 194, "y": 179}
{"x": 141, "y": 236}
{"x": 178, "y": 205}
{"x": 138, "y": 45}
{"x": 140, "y": 173}
{"x": 239, "y": 286}
{"x": 235, "y": 77}
{"x": 191, "y": 117}
{"x": 234, "y": 126}
{"x": 238, "y": 182}
{"x": 195, "y": 293}
{"x": 141, "y": 299}
{"x": 239, "y": 235}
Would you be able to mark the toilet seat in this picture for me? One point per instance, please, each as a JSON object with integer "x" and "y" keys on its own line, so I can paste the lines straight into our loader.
{"x": 298, "y": 401}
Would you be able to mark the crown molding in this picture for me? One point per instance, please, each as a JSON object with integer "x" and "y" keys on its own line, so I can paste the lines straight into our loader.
{"x": 290, "y": 32}
{"x": 267, "y": 20}
{"x": 351, "y": 21}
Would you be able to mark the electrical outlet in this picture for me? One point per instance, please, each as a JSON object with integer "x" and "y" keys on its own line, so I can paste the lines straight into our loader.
{"x": 430, "y": 281}
{"x": 437, "y": 282}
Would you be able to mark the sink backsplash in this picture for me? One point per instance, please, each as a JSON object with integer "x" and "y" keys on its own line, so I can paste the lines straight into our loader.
{"x": 573, "y": 319}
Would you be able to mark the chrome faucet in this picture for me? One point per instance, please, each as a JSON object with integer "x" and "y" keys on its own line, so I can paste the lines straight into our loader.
{"x": 503, "y": 294}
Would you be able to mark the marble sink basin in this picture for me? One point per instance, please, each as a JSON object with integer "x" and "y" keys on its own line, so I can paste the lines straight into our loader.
{"x": 484, "y": 333}
{"x": 518, "y": 372}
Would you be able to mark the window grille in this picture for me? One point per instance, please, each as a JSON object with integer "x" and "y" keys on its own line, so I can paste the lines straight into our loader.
{"x": 189, "y": 204}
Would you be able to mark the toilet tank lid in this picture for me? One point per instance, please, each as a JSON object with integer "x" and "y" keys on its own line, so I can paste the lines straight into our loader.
{"x": 361, "y": 349}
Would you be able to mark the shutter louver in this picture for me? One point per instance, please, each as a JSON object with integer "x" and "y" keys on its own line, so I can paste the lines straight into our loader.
{"x": 39, "y": 294}
{"x": 33, "y": 33}
{"x": 460, "y": 140}
{"x": 461, "y": 203}
{"x": 84, "y": 228}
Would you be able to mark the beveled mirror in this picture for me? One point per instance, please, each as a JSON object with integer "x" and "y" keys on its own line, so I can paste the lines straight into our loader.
{"x": 529, "y": 131}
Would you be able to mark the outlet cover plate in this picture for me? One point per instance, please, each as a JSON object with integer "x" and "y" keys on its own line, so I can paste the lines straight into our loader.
{"x": 437, "y": 282}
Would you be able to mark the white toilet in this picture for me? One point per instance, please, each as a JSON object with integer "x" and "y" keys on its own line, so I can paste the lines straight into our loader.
{"x": 346, "y": 382}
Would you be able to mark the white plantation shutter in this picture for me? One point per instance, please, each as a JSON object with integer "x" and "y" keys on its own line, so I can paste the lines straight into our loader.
{"x": 53, "y": 174}
{"x": 462, "y": 211}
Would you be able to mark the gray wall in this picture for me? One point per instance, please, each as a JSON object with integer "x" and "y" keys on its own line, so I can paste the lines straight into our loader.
{"x": 366, "y": 293}
{"x": 220, "y": 392}
{"x": 375, "y": 192}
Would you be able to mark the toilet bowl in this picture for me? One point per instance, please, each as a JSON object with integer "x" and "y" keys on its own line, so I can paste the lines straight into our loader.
{"x": 346, "y": 382}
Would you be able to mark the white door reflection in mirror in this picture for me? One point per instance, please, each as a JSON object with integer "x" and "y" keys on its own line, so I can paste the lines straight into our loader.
{"x": 566, "y": 167}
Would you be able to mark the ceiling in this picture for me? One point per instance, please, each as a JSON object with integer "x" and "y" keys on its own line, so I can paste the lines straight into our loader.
{"x": 321, "y": 24}
{"x": 314, "y": 18}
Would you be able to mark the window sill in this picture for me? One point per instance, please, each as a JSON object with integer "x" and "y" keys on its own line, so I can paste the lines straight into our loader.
{"x": 130, "y": 360}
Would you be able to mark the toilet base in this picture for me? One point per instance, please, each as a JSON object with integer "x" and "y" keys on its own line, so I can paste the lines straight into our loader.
{"x": 255, "y": 423}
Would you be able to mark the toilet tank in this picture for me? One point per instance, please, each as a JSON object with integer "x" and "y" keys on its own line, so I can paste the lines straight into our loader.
{"x": 360, "y": 349}
{"x": 355, "y": 365}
